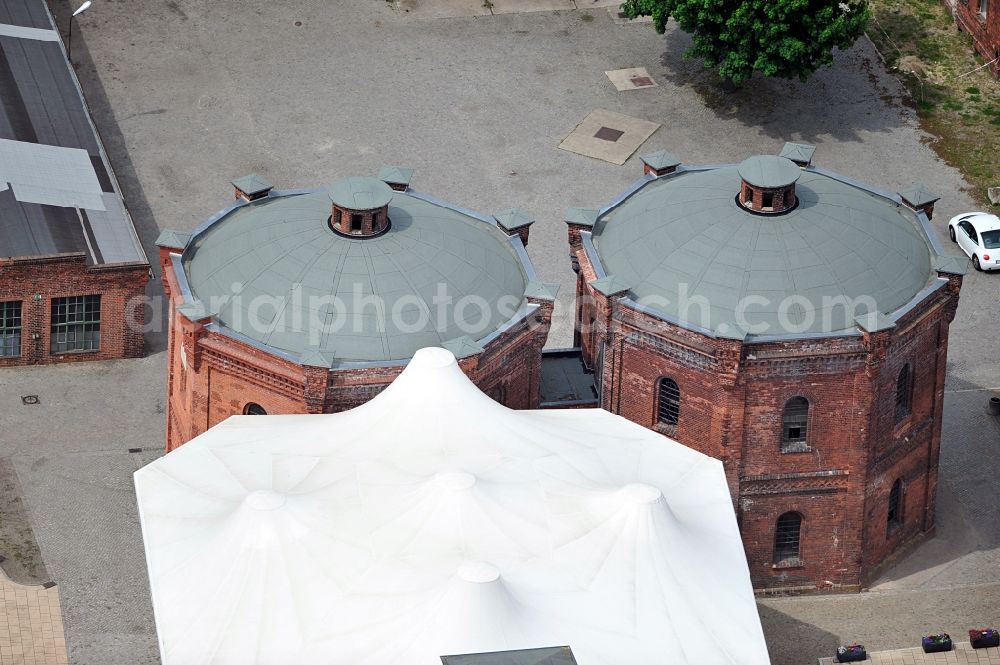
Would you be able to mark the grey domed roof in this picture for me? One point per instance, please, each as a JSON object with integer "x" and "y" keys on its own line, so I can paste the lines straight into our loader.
{"x": 360, "y": 193}
{"x": 688, "y": 232}
{"x": 268, "y": 247}
{"x": 768, "y": 171}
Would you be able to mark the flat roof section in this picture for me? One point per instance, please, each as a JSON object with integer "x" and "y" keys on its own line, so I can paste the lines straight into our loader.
{"x": 565, "y": 381}
{"x": 57, "y": 191}
{"x": 25, "y": 14}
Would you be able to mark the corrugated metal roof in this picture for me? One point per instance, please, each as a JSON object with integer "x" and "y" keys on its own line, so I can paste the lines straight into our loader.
{"x": 25, "y": 13}
{"x": 686, "y": 248}
{"x": 768, "y": 171}
{"x": 51, "y": 160}
{"x": 282, "y": 247}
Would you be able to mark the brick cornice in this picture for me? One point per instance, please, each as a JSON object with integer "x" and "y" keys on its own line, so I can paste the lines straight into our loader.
{"x": 902, "y": 445}
{"x": 815, "y": 482}
{"x": 225, "y": 356}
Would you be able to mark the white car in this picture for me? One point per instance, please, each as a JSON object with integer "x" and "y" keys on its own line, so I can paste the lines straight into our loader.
{"x": 978, "y": 234}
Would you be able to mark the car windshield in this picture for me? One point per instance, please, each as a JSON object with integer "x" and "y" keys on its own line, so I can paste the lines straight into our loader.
{"x": 991, "y": 239}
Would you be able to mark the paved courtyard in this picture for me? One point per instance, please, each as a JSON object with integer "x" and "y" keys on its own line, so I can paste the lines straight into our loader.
{"x": 189, "y": 94}
{"x": 962, "y": 654}
{"x": 31, "y": 629}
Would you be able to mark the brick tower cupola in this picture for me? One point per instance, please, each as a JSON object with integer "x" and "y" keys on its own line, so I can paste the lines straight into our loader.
{"x": 768, "y": 184}
{"x": 360, "y": 207}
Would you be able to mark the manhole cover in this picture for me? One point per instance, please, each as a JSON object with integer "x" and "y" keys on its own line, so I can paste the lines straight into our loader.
{"x": 641, "y": 81}
{"x": 29, "y": 399}
{"x": 608, "y": 134}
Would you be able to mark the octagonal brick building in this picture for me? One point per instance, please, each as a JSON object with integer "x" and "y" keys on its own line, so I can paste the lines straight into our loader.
{"x": 313, "y": 300}
{"x": 794, "y": 324}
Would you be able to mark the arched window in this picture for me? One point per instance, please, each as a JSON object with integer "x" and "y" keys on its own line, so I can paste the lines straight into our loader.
{"x": 786, "y": 539}
{"x": 904, "y": 389}
{"x": 668, "y": 403}
{"x": 794, "y": 421}
{"x": 894, "y": 516}
{"x": 254, "y": 409}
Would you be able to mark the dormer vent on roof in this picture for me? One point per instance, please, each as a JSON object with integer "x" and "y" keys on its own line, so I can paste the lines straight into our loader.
{"x": 768, "y": 184}
{"x": 359, "y": 207}
{"x": 252, "y": 187}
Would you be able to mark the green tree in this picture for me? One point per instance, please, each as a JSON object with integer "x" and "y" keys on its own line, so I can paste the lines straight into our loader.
{"x": 781, "y": 38}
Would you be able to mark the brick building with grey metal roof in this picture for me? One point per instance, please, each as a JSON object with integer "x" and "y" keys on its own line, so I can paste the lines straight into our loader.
{"x": 794, "y": 324}
{"x": 72, "y": 269}
{"x": 313, "y": 300}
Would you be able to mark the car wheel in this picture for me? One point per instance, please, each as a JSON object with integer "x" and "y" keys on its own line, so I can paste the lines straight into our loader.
{"x": 975, "y": 262}
{"x": 951, "y": 233}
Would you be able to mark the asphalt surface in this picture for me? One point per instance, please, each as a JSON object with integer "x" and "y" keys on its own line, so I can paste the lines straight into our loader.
{"x": 188, "y": 95}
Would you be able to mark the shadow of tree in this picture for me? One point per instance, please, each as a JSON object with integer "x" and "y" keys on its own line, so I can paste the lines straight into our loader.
{"x": 853, "y": 96}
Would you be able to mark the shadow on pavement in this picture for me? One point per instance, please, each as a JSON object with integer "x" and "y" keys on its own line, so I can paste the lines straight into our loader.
{"x": 781, "y": 108}
{"x": 968, "y": 502}
{"x": 22, "y": 559}
{"x": 121, "y": 162}
{"x": 794, "y": 642}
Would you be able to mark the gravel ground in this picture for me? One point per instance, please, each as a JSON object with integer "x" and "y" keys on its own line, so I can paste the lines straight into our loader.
{"x": 188, "y": 94}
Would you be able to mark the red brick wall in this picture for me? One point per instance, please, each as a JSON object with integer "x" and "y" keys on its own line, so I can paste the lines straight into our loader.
{"x": 985, "y": 34}
{"x": 732, "y": 400}
{"x": 217, "y": 376}
{"x": 121, "y": 288}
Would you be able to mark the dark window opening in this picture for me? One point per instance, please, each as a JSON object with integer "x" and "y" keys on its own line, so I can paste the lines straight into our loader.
{"x": 794, "y": 425}
{"x": 76, "y": 324}
{"x": 894, "y": 516}
{"x": 786, "y": 539}
{"x": 668, "y": 408}
{"x": 499, "y": 393}
{"x": 254, "y": 409}
{"x": 903, "y": 393}
{"x": 355, "y": 223}
{"x": 10, "y": 328}
{"x": 767, "y": 200}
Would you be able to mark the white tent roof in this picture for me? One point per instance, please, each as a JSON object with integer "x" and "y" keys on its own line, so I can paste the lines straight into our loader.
{"x": 434, "y": 521}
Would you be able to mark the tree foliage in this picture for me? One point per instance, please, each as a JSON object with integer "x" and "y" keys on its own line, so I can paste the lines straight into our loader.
{"x": 781, "y": 38}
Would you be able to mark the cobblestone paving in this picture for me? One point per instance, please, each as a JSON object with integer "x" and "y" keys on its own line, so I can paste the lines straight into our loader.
{"x": 188, "y": 94}
{"x": 71, "y": 455}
